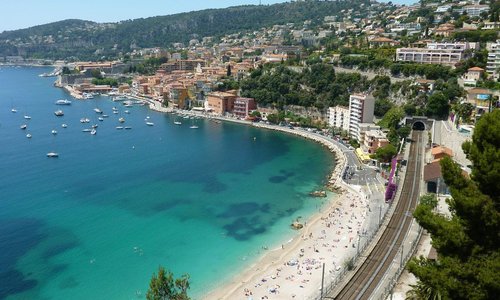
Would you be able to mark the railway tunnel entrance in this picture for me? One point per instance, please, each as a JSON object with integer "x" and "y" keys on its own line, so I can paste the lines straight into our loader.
{"x": 418, "y": 125}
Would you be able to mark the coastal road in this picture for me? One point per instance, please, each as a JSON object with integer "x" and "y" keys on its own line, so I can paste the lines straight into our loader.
{"x": 370, "y": 273}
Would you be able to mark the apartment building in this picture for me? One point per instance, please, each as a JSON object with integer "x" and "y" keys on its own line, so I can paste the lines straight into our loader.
{"x": 493, "y": 64}
{"x": 361, "y": 109}
{"x": 373, "y": 140}
{"x": 221, "y": 102}
{"x": 338, "y": 117}
{"x": 243, "y": 107}
{"x": 436, "y": 53}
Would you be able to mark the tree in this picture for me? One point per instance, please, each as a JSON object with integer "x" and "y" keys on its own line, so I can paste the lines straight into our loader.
{"x": 464, "y": 111}
{"x": 164, "y": 287}
{"x": 385, "y": 154}
{"x": 468, "y": 241}
{"x": 382, "y": 106}
{"x": 437, "y": 106}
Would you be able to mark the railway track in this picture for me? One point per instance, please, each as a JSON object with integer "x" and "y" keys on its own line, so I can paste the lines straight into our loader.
{"x": 370, "y": 273}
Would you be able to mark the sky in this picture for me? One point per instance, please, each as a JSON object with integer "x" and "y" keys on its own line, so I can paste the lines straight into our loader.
{"x": 26, "y": 13}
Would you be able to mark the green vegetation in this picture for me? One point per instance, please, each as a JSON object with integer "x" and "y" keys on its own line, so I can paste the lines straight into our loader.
{"x": 385, "y": 154}
{"x": 164, "y": 287}
{"x": 148, "y": 66}
{"x": 105, "y": 81}
{"x": 468, "y": 242}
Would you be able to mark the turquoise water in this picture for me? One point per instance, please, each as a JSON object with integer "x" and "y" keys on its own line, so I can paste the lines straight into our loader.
{"x": 96, "y": 222}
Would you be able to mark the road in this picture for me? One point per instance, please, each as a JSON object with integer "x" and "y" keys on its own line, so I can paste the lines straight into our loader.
{"x": 369, "y": 274}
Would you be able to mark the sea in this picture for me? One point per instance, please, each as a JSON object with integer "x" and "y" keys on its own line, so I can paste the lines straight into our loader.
{"x": 99, "y": 220}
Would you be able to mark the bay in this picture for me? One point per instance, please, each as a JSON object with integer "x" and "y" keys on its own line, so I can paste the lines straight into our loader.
{"x": 96, "y": 222}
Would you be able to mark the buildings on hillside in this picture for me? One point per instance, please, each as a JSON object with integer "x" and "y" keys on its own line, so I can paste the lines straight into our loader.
{"x": 361, "y": 110}
{"x": 493, "y": 64}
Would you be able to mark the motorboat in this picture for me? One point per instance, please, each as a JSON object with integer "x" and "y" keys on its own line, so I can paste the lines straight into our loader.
{"x": 100, "y": 119}
{"x": 59, "y": 113}
{"x": 97, "y": 110}
{"x": 54, "y": 132}
{"x": 93, "y": 132}
{"x": 105, "y": 116}
{"x": 87, "y": 130}
{"x": 128, "y": 127}
{"x": 127, "y": 112}
{"x": 95, "y": 126}
{"x": 13, "y": 110}
{"x": 88, "y": 96}
{"x": 114, "y": 108}
{"x": 28, "y": 135}
{"x": 84, "y": 120}
{"x": 24, "y": 126}
{"x": 115, "y": 112}
{"x": 119, "y": 98}
{"x": 64, "y": 126}
{"x": 177, "y": 123}
{"x": 121, "y": 120}
{"x": 119, "y": 127}
{"x": 150, "y": 123}
{"x": 52, "y": 154}
{"x": 63, "y": 102}
{"x": 27, "y": 117}
{"x": 193, "y": 127}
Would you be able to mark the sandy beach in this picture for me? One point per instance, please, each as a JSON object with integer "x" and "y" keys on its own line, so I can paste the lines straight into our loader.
{"x": 294, "y": 270}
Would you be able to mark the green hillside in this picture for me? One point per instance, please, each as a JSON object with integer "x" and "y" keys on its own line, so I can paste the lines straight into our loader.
{"x": 85, "y": 40}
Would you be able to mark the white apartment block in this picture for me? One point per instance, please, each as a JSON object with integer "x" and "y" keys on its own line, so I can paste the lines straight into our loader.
{"x": 476, "y": 10}
{"x": 436, "y": 53}
{"x": 338, "y": 117}
{"x": 361, "y": 109}
{"x": 493, "y": 64}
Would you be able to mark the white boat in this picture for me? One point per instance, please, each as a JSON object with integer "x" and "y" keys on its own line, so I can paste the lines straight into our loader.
{"x": 128, "y": 127}
{"x": 115, "y": 112}
{"x": 63, "y": 102}
{"x": 59, "y": 113}
{"x": 121, "y": 120}
{"x": 119, "y": 98}
{"x": 100, "y": 119}
{"x": 54, "y": 132}
{"x": 87, "y": 130}
{"x": 177, "y": 123}
{"x": 88, "y": 96}
{"x": 24, "y": 126}
{"x": 150, "y": 123}
{"x": 28, "y": 135}
{"x": 93, "y": 132}
{"x": 105, "y": 116}
{"x": 13, "y": 110}
{"x": 193, "y": 127}
{"x": 97, "y": 110}
{"x": 27, "y": 117}
{"x": 114, "y": 108}
{"x": 95, "y": 126}
{"x": 119, "y": 127}
{"x": 52, "y": 154}
{"x": 64, "y": 126}
{"x": 127, "y": 112}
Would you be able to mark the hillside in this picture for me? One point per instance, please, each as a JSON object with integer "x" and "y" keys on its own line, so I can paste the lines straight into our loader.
{"x": 85, "y": 40}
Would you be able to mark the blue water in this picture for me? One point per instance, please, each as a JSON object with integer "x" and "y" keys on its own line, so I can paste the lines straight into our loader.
{"x": 96, "y": 222}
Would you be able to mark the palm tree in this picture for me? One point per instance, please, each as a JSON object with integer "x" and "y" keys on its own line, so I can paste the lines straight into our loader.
{"x": 422, "y": 291}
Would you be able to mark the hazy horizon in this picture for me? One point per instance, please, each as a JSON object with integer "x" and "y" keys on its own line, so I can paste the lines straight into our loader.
{"x": 35, "y": 12}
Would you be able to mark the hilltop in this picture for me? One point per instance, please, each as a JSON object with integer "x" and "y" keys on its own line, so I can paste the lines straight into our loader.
{"x": 79, "y": 39}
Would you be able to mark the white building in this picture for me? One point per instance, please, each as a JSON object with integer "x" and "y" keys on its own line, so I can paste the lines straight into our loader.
{"x": 436, "y": 53}
{"x": 361, "y": 109}
{"x": 493, "y": 64}
{"x": 338, "y": 117}
{"x": 476, "y": 10}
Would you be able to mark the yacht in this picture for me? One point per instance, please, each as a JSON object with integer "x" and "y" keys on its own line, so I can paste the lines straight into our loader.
{"x": 119, "y": 127}
{"x": 87, "y": 130}
{"x": 27, "y": 117}
{"x": 54, "y": 132}
{"x": 97, "y": 110}
{"x": 100, "y": 119}
{"x": 52, "y": 154}
{"x": 177, "y": 123}
{"x": 121, "y": 120}
{"x": 63, "y": 102}
{"x": 193, "y": 127}
{"x": 24, "y": 126}
{"x": 64, "y": 126}
{"x": 59, "y": 113}
{"x": 119, "y": 98}
{"x": 105, "y": 116}
{"x": 13, "y": 110}
{"x": 150, "y": 123}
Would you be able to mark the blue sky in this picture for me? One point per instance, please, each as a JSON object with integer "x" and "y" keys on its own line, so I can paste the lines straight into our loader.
{"x": 25, "y": 13}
